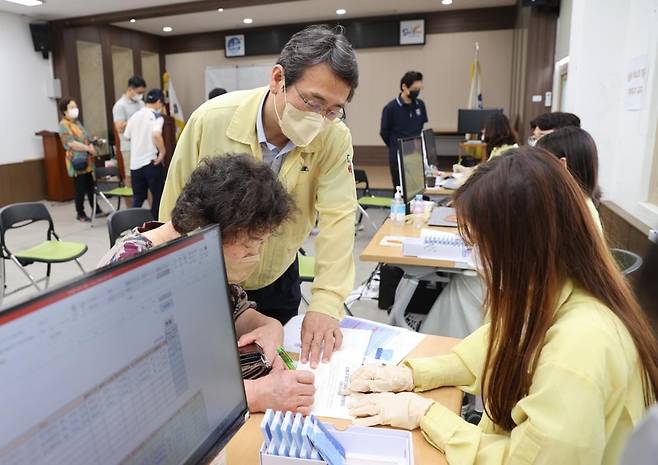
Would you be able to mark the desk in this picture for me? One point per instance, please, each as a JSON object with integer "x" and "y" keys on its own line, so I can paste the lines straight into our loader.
{"x": 243, "y": 448}
{"x": 375, "y": 252}
{"x": 439, "y": 191}
{"x": 415, "y": 269}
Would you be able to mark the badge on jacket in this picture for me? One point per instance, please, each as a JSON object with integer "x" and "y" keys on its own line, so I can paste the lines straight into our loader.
{"x": 418, "y": 111}
{"x": 350, "y": 167}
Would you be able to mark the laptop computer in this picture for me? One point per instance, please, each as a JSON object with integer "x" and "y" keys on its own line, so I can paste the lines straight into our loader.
{"x": 135, "y": 363}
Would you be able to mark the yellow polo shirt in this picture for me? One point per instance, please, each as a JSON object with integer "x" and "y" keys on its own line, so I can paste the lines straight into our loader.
{"x": 319, "y": 177}
{"x": 585, "y": 398}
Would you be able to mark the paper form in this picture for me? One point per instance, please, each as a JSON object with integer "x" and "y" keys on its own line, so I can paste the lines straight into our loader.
{"x": 333, "y": 378}
{"x": 389, "y": 345}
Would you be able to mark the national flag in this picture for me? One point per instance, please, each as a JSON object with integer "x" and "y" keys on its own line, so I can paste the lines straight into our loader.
{"x": 175, "y": 110}
{"x": 475, "y": 93}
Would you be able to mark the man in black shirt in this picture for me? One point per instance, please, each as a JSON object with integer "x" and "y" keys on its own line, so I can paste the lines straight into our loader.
{"x": 404, "y": 116}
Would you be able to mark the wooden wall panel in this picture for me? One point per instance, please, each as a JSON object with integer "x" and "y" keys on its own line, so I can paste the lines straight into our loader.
{"x": 22, "y": 182}
{"x": 540, "y": 63}
{"x": 479, "y": 19}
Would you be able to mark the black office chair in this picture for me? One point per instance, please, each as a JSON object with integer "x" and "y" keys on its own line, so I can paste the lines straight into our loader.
{"x": 366, "y": 199}
{"x": 124, "y": 220}
{"x": 52, "y": 250}
{"x": 307, "y": 273}
{"x": 109, "y": 184}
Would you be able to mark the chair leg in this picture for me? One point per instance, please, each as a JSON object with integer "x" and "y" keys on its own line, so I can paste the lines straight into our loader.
{"x": 107, "y": 201}
{"x": 2, "y": 279}
{"x": 22, "y": 268}
{"x": 48, "y": 274}
{"x": 347, "y": 310}
{"x": 80, "y": 265}
{"x": 93, "y": 208}
{"x": 364, "y": 213}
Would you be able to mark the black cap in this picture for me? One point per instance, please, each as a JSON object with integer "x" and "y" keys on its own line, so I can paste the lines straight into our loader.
{"x": 154, "y": 95}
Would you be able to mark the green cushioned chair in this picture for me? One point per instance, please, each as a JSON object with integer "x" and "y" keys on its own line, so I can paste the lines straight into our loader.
{"x": 108, "y": 185}
{"x": 367, "y": 200}
{"x": 52, "y": 250}
{"x": 307, "y": 273}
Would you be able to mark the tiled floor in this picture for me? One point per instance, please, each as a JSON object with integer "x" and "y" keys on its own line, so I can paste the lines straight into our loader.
{"x": 96, "y": 238}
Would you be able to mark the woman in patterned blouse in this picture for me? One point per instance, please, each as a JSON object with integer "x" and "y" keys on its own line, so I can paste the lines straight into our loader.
{"x": 79, "y": 155}
{"x": 246, "y": 200}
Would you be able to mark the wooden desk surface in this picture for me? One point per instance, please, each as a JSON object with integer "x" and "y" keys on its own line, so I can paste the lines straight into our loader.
{"x": 438, "y": 191}
{"x": 243, "y": 448}
{"x": 375, "y": 252}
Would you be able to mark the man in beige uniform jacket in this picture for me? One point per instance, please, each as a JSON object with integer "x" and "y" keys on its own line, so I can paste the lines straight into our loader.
{"x": 295, "y": 126}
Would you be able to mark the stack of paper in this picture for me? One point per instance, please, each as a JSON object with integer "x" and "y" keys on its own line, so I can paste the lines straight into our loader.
{"x": 364, "y": 342}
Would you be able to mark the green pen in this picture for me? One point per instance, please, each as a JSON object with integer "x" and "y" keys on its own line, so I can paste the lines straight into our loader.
{"x": 285, "y": 357}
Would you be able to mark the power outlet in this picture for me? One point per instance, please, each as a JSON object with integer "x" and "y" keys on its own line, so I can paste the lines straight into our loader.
{"x": 653, "y": 235}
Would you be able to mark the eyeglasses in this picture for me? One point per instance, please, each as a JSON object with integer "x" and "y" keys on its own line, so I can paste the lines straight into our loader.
{"x": 316, "y": 107}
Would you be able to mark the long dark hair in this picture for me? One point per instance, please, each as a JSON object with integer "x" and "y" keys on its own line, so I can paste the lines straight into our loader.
{"x": 579, "y": 149}
{"x": 498, "y": 132}
{"x": 529, "y": 219}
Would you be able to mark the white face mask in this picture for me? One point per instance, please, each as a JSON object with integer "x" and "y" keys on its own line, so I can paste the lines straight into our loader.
{"x": 73, "y": 113}
{"x": 237, "y": 272}
{"x": 138, "y": 97}
{"x": 299, "y": 126}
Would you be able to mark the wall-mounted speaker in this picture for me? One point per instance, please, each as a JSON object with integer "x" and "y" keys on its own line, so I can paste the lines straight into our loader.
{"x": 41, "y": 39}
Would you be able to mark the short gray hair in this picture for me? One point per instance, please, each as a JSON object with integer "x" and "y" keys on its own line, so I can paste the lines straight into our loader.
{"x": 319, "y": 44}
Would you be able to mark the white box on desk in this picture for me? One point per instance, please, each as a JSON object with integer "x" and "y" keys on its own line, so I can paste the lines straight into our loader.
{"x": 363, "y": 446}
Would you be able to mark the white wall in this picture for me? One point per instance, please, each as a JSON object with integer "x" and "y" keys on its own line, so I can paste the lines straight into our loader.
{"x": 605, "y": 35}
{"x": 23, "y": 80}
{"x": 444, "y": 61}
{"x": 563, "y": 30}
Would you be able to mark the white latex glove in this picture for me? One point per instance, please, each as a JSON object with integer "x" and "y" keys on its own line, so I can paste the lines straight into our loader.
{"x": 373, "y": 378}
{"x": 402, "y": 410}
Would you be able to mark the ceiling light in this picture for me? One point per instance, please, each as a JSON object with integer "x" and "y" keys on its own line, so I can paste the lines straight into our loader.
{"x": 220, "y": 9}
{"x": 341, "y": 11}
{"x": 133, "y": 20}
{"x": 446, "y": 2}
{"x": 167, "y": 29}
{"x": 27, "y": 2}
{"x": 247, "y": 20}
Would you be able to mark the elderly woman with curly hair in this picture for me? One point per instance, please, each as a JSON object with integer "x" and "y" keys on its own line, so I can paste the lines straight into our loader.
{"x": 244, "y": 197}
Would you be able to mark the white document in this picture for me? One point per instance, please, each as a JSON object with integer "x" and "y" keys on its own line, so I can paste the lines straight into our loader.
{"x": 389, "y": 345}
{"x": 332, "y": 378}
{"x": 437, "y": 245}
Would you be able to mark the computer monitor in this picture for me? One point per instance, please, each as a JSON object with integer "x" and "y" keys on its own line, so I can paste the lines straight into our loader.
{"x": 429, "y": 147}
{"x": 135, "y": 363}
{"x": 412, "y": 167}
{"x": 472, "y": 121}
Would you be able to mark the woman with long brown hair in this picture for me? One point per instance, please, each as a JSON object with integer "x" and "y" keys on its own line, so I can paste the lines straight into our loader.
{"x": 568, "y": 363}
{"x": 499, "y": 135}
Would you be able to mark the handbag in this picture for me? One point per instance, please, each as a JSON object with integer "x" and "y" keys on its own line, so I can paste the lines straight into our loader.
{"x": 79, "y": 162}
{"x": 253, "y": 362}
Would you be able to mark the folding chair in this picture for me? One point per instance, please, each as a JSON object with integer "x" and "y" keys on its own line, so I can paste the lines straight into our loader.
{"x": 50, "y": 251}
{"x": 125, "y": 220}
{"x": 367, "y": 200}
{"x": 307, "y": 273}
{"x": 109, "y": 184}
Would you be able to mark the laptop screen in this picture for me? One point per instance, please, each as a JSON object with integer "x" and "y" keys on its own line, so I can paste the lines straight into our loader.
{"x": 135, "y": 363}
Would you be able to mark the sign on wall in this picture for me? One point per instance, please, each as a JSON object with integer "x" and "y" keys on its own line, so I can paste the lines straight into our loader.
{"x": 412, "y": 32}
{"x": 635, "y": 83}
{"x": 234, "y": 45}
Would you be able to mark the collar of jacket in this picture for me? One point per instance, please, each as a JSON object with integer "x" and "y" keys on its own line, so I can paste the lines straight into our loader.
{"x": 242, "y": 127}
